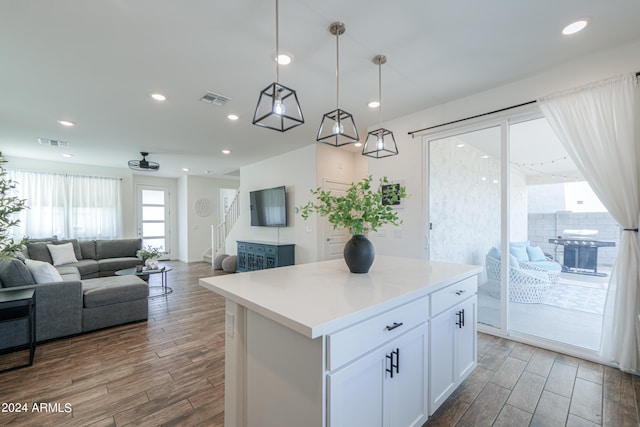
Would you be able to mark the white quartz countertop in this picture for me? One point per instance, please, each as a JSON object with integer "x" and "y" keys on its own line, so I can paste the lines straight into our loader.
{"x": 319, "y": 298}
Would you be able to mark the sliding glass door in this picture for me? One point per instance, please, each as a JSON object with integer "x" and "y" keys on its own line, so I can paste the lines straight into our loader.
{"x": 506, "y": 196}
{"x": 464, "y": 208}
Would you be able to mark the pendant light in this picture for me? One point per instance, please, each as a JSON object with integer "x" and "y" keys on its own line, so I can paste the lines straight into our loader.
{"x": 278, "y": 107}
{"x": 337, "y": 127}
{"x": 380, "y": 142}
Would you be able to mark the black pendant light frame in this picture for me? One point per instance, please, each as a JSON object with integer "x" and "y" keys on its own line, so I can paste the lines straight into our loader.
{"x": 337, "y": 127}
{"x": 380, "y": 142}
{"x": 266, "y": 114}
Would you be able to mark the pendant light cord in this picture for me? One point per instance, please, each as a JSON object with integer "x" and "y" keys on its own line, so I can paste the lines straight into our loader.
{"x": 380, "y": 92}
{"x": 277, "y": 50}
{"x": 337, "y": 70}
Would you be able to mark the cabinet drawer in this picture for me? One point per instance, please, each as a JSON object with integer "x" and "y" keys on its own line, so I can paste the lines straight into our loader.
{"x": 255, "y": 248}
{"x": 453, "y": 294}
{"x": 269, "y": 250}
{"x": 242, "y": 247}
{"x": 349, "y": 343}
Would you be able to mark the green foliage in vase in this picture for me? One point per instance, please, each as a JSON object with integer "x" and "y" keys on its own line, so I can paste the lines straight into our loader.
{"x": 361, "y": 209}
{"x": 149, "y": 252}
{"x": 10, "y": 204}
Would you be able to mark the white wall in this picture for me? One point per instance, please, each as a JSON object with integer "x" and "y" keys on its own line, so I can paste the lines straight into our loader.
{"x": 295, "y": 170}
{"x": 409, "y": 163}
{"x": 195, "y": 230}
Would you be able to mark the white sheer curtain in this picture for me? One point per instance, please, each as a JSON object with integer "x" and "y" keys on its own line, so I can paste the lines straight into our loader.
{"x": 596, "y": 126}
{"x": 69, "y": 206}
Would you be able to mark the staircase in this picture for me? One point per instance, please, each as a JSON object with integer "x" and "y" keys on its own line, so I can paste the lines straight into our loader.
{"x": 220, "y": 232}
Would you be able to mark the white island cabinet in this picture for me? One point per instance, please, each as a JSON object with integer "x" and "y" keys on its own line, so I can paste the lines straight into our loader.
{"x": 315, "y": 345}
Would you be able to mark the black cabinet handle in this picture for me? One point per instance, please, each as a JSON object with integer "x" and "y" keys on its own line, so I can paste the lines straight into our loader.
{"x": 393, "y": 364}
{"x": 460, "y": 321}
{"x": 392, "y": 327}
{"x": 460, "y": 292}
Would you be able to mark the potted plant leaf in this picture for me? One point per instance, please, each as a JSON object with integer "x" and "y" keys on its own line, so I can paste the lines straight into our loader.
{"x": 10, "y": 205}
{"x": 150, "y": 255}
{"x": 364, "y": 207}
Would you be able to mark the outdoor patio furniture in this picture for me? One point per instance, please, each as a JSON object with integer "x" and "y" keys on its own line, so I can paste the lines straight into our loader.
{"x": 526, "y": 285}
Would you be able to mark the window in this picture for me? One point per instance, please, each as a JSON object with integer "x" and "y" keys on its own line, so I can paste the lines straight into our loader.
{"x": 68, "y": 206}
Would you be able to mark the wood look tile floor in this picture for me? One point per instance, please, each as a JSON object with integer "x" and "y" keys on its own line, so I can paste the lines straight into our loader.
{"x": 169, "y": 371}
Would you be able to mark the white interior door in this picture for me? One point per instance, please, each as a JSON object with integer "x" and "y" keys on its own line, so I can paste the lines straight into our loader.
{"x": 153, "y": 216}
{"x": 334, "y": 239}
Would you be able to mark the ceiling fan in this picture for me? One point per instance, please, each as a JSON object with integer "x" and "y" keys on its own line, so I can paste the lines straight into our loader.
{"x": 143, "y": 165}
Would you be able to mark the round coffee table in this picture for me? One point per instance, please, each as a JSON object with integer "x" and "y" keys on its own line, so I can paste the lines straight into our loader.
{"x": 145, "y": 273}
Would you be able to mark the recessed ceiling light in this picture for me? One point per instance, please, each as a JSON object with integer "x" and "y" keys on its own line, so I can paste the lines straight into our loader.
{"x": 67, "y": 155}
{"x": 185, "y": 169}
{"x": 484, "y": 157}
{"x": 66, "y": 123}
{"x": 284, "y": 58}
{"x": 358, "y": 144}
{"x": 460, "y": 145}
{"x": 232, "y": 117}
{"x": 574, "y": 27}
{"x": 226, "y": 151}
{"x": 373, "y": 104}
{"x": 158, "y": 97}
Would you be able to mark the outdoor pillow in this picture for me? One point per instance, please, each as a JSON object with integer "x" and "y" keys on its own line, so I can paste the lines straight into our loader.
{"x": 535, "y": 253}
{"x": 520, "y": 252}
{"x": 43, "y": 272}
{"x": 523, "y": 244}
{"x": 494, "y": 253}
{"x": 62, "y": 254}
{"x": 513, "y": 262}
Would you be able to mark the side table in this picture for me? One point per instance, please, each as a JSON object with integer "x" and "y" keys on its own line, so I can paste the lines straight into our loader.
{"x": 18, "y": 305}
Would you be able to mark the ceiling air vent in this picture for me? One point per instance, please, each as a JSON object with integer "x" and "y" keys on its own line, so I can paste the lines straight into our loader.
{"x": 215, "y": 99}
{"x": 53, "y": 142}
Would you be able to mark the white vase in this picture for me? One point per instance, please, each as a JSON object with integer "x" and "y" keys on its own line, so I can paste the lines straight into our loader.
{"x": 151, "y": 263}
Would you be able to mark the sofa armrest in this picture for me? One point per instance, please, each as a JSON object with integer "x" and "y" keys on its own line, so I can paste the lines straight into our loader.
{"x": 58, "y": 308}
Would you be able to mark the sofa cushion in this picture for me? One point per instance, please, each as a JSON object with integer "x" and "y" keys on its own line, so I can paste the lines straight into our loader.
{"x": 114, "y": 264}
{"x": 113, "y": 290}
{"x": 43, "y": 272}
{"x": 53, "y": 238}
{"x": 62, "y": 254}
{"x": 86, "y": 267}
{"x": 117, "y": 248}
{"x": 88, "y": 249}
{"x": 39, "y": 251}
{"x": 547, "y": 265}
{"x": 69, "y": 272}
{"x": 494, "y": 253}
{"x": 14, "y": 272}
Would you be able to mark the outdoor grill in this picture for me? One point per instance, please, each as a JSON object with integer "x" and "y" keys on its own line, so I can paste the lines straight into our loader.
{"x": 581, "y": 251}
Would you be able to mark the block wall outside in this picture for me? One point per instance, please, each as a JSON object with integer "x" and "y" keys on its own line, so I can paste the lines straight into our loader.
{"x": 545, "y": 226}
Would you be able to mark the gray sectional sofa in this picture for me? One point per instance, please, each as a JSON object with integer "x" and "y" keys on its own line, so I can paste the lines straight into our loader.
{"x": 89, "y": 297}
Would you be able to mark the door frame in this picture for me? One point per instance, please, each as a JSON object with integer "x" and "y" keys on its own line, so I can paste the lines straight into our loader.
{"x": 168, "y": 217}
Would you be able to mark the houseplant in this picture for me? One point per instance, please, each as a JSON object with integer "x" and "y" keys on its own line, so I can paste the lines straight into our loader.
{"x": 10, "y": 205}
{"x": 149, "y": 256}
{"x": 361, "y": 209}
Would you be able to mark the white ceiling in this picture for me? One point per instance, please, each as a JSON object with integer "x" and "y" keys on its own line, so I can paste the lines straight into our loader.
{"x": 96, "y": 62}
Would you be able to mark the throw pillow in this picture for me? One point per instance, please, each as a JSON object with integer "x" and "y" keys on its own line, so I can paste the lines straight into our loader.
{"x": 494, "y": 253}
{"x": 535, "y": 253}
{"x": 13, "y": 272}
{"x": 217, "y": 261}
{"x": 62, "y": 254}
{"x": 43, "y": 272}
{"x": 513, "y": 261}
{"x": 520, "y": 252}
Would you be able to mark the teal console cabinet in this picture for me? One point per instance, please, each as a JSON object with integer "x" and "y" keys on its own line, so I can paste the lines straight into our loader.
{"x": 256, "y": 255}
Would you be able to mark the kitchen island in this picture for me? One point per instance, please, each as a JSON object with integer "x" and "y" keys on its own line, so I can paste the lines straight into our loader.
{"x": 315, "y": 345}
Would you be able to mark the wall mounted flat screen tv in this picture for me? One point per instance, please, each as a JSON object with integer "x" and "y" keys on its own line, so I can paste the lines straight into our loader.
{"x": 268, "y": 207}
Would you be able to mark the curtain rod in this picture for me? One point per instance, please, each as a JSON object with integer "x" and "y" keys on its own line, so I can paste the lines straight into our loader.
{"x": 65, "y": 174}
{"x": 412, "y": 133}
